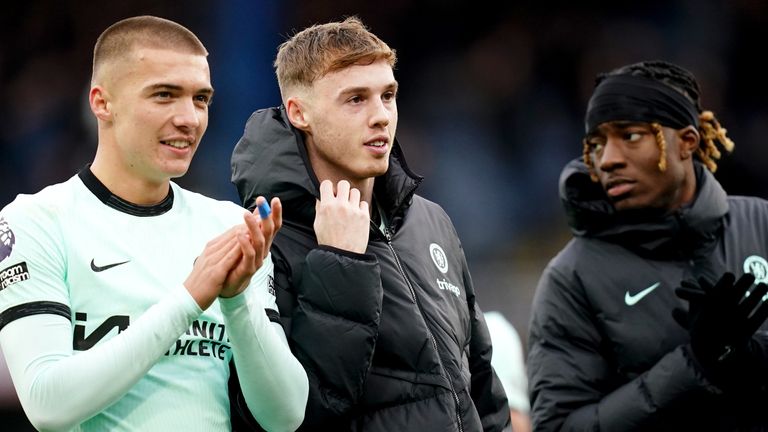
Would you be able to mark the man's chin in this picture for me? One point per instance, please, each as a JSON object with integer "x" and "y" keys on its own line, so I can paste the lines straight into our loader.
{"x": 377, "y": 171}
{"x": 176, "y": 168}
{"x": 623, "y": 203}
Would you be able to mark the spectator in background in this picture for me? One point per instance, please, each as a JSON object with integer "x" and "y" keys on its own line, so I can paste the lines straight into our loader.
{"x": 606, "y": 350}
{"x": 509, "y": 363}
{"x": 371, "y": 278}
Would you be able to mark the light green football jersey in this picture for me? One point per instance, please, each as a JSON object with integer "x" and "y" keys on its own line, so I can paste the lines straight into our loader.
{"x": 75, "y": 250}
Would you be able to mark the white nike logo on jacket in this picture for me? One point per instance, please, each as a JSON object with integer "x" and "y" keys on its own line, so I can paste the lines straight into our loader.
{"x": 630, "y": 300}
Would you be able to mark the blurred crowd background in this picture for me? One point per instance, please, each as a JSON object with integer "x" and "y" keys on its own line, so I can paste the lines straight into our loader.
{"x": 491, "y": 102}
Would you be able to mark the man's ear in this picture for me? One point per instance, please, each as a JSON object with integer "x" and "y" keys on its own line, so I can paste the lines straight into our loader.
{"x": 99, "y": 101}
{"x": 297, "y": 113}
{"x": 689, "y": 141}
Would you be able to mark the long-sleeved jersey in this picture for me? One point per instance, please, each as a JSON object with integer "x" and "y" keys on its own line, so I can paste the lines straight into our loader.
{"x": 99, "y": 332}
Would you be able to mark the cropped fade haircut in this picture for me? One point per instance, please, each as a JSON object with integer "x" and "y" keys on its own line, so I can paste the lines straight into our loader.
{"x": 122, "y": 37}
{"x": 684, "y": 82}
{"x": 323, "y": 48}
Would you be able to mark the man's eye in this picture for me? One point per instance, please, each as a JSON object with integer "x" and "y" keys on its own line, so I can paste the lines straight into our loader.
{"x": 163, "y": 95}
{"x": 205, "y": 99}
{"x": 594, "y": 144}
{"x": 633, "y": 136}
{"x": 389, "y": 96}
{"x": 355, "y": 99}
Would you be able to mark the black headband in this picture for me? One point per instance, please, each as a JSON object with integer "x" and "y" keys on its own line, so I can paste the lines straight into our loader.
{"x": 640, "y": 99}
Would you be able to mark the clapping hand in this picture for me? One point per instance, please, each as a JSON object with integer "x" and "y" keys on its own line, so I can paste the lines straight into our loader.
{"x": 262, "y": 225}
{"x": 227, "y": 262}
{"x": 721, "y": 321}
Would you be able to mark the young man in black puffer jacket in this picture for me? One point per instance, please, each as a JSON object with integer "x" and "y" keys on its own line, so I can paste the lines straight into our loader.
{"x": 372, "y": 283}
{"x": 607, "y": 353}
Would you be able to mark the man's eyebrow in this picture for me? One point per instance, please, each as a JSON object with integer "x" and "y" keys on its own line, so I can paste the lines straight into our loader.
{"x": 364, "y": 89}
{"x": 175, "y": 87}
{"x": 354, "y": 90}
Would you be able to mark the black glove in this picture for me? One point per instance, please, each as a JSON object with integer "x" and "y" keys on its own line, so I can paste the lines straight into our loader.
{"x": 721, "y": 321}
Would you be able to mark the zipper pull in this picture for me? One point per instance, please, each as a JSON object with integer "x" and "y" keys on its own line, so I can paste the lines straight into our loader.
{"x": 387, "y": 234}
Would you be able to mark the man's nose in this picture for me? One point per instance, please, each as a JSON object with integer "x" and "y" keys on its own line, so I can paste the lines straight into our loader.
{"x": 187, "y": 114}
{"x": 380, "y": 113}
{"x": 612, "y": 155}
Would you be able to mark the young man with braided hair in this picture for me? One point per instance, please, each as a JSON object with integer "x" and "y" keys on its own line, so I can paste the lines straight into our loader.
{"x": 124, "y": 297}
{"x": 371, "y": 280}
{"x": 616, "y": 344}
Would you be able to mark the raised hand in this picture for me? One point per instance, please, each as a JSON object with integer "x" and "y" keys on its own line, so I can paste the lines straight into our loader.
{"x": 722, "y": 320}
{"x": 342, "y": 220}
{"x": 261, "y": 227}
{"x": 212, "y": 268}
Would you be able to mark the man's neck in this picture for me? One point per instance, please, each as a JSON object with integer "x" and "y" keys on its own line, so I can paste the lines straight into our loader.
{"x": 365, "y": 186}
{"x": 129, "y": 186}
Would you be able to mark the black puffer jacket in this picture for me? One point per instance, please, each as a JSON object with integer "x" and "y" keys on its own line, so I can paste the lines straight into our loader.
{"x": 605, "y": 353}
{"x": 392, "y": 340}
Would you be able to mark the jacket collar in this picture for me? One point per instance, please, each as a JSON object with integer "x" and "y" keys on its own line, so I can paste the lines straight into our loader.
{"x": 591, "y": 214}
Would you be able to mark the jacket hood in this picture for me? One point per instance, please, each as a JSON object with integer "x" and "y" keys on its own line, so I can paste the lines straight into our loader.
{"x": 591, "y": 214}
{"x": 270, "y": 159}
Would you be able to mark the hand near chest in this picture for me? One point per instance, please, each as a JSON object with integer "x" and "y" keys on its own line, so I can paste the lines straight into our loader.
{"x": 342, "y": 219}
{"x": 227, "y": 262}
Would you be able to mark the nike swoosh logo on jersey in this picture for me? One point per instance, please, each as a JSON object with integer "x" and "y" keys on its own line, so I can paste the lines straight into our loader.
{"x": 97, "y": 269}
{"x": 630, "y": 299}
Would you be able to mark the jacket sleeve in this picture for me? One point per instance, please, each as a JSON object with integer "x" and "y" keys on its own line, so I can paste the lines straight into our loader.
{"x": 333, "y": 327}
{"x": 573, "y": 385}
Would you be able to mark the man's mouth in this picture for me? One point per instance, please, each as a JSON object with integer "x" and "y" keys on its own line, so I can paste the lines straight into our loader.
{"x": 618, "y": 187}
{"x": 179, "y": 144}
{"x": 377, "y": 143}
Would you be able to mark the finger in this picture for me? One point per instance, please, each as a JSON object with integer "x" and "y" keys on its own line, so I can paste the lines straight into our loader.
{"x": 255, "y": 231}
{"x": 681, "y": 317}
{"x": 252, "y": 223}
{"x": 239, "y": 276}
{"x": 354, "y": 197}
{"x": 263, "y": 207}
{"x": 757, "y": 318}
{"x": 217, "y": 248}
{"x": 364, "y": 206}
{"x": 258, "y": 241}
{"x": 744, "y": 283}
{"x": 247, "y": 264}
{"x": 277, "y": 223}
{"x": 723, "y": 292}
{"x": 752, "y": 299}
{"x": 265, "y": 213}
{"x": 740, "y": 290}
{"x": 326, "y": 190}
{"x": 277, "y": 213}
{"x": 230, "y": 257}
{"x": 703, "y": 283}
{"x": 342, "y": 190}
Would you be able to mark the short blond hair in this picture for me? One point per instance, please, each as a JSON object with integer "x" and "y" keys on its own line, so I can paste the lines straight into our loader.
{"x": 323, "y": 48}
{"x": 119, "y": 39}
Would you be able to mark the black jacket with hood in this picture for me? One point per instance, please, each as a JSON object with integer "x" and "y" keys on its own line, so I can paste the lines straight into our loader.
{"x": 392, "y": 340}
{"x": 605, "y": 353}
